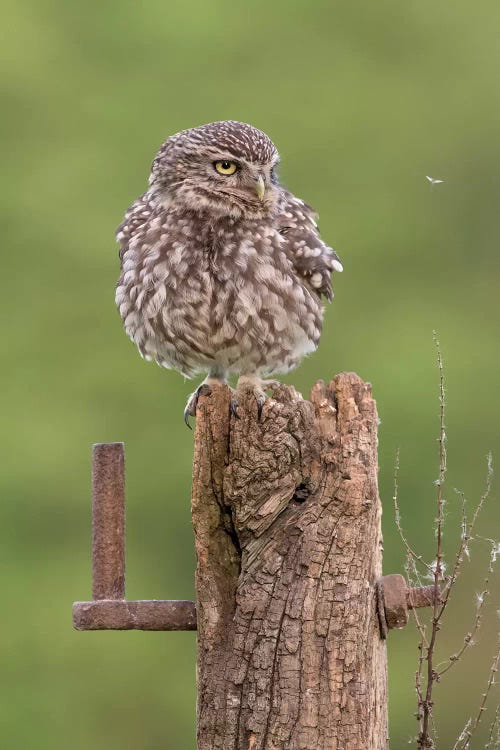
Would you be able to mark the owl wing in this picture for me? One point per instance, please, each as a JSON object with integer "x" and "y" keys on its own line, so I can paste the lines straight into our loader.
{"x": 135, "y": 217}
{"x": 313, "y": 260}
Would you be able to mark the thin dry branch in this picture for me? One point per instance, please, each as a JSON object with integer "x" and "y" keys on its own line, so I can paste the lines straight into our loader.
{"x": 427, "y": 674}
{"x": 425, "y": 706}
{"x": 464, "y": 740}
{"x": 471, "y": 634}
{"x": 465, "y": 538}
{"x": 494, "y": 734}
{"x": 467, "y": 534}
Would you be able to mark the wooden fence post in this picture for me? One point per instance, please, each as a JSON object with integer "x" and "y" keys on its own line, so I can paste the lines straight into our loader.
{"x": 286, "y": 517}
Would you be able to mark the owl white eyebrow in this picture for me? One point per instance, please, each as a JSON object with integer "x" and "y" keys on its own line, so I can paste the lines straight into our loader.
{"x": 226, "y": 157}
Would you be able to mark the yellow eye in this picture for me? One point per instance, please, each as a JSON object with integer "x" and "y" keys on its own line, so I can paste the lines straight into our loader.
{"x": 225, "y": 167}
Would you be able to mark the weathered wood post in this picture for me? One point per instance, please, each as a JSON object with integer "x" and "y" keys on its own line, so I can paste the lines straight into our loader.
{"x": 286, "y": 518}
{"x": 292, "y": 613}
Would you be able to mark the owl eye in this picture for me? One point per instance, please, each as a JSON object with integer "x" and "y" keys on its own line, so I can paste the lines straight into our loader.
{"x": 225, "y": 167}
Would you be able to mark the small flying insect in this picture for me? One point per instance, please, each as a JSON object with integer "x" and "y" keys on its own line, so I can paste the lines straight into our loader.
{"x": 433, "y": 180}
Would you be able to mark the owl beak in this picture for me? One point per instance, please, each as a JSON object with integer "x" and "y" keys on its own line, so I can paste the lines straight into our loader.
{"x": 260, "y": 187}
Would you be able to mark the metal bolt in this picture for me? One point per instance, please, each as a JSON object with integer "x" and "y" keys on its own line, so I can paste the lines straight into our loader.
{"x": 395, "y": 598}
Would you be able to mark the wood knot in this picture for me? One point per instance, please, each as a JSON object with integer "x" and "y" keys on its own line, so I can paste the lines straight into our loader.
{"x": 302, "y": 492}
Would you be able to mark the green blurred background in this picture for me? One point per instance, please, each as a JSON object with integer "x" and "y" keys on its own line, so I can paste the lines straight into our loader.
{"x": 364, "y": 100}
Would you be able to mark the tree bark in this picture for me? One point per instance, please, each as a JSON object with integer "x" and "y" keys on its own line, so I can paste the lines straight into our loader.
{"x": 286, "y": 518}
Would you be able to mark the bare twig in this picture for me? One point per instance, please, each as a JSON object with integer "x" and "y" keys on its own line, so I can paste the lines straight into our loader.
{"x": 427, "y": 674}
{"x": 471, "y": 634}
{"x": 464, "y": 740}
{"x": 494, "y": 733}
{"x": 467, "y": 530}
{"x": 465, "y": 538}
{"x": 412, "y": 575}
{"x": 425, "y": 708}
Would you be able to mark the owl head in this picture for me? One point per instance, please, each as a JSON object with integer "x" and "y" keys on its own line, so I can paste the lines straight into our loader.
{"x": 223, "y": 168}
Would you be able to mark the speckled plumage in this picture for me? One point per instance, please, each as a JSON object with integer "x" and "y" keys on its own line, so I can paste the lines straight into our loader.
{"x": 215, "y": 279}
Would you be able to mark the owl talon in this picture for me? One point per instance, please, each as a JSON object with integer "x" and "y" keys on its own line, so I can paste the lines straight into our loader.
{"x": 260, "y": 406}
{"x": 187, "y": 414}
{"x": 234, "y": 408}
{"x": 192, "y": 403}
{"x": 260, "y": 400}
{"x": 191, "y": 406}
{"x": 255, "y": 386}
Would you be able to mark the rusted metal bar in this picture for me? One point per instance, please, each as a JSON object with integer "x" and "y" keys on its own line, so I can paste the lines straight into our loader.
{"x": 110, "y": 610}
{"x": 108, "y": 521}
{"x": 110, "y": 614}
{"x": 421, "y": 596}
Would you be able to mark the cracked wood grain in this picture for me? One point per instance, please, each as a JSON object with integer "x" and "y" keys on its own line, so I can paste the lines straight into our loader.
{"x": 286, "y": 518}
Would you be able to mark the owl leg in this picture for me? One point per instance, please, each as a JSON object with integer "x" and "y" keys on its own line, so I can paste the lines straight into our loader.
{"x": 257, "y": 387}
{"x": 214, "y": 377}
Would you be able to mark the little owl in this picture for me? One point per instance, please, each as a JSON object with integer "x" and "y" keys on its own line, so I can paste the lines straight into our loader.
{"x": 222, "y": 269}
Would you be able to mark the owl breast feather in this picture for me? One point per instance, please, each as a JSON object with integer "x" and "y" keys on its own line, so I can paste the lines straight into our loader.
{"x": 228, "y": 299}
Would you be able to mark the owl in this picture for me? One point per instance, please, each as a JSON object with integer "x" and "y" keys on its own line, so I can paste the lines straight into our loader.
{"x": 223, "y": 270}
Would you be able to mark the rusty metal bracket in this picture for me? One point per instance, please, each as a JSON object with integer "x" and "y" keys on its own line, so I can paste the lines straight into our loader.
{"x": 109, "y": 610}
{"x": 395, "y": 598}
